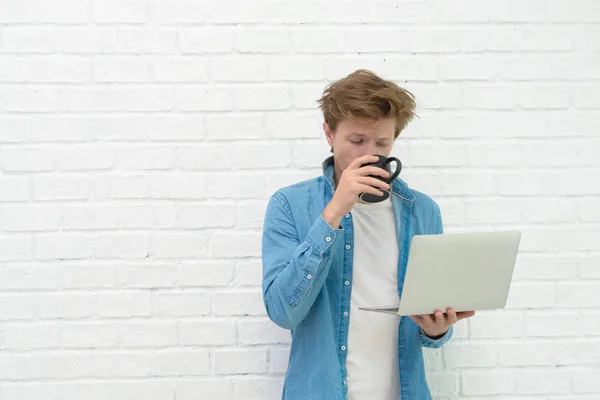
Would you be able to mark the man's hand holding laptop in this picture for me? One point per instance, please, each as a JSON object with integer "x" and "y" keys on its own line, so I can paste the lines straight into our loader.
{"x": 437, "y": 324}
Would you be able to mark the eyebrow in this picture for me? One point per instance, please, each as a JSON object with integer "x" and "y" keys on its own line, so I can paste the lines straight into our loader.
{"x": 361, "y": 135}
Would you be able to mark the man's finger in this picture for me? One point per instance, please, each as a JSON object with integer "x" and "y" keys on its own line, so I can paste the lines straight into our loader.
{"x": 440, "y": 319}
{"x": 452, "y": 317}
{"x": 465, "y": 314}
{"x": 427, "y": 320}
{"x": 360, "y": 161}
{"x": 418, "y": 320}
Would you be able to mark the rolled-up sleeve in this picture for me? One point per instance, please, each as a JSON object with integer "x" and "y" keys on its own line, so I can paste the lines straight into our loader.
{"x": 294, "y": 269}
{"x": 426, "y": 341}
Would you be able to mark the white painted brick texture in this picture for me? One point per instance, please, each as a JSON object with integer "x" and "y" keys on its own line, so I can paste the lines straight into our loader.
{"x": 140, "y": 141}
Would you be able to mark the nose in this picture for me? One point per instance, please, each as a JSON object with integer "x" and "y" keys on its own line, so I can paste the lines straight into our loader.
{"x": 372, "y": 149}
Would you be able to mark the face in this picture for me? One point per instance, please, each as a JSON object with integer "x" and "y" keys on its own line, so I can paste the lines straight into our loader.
{"x": 358, "y": 138}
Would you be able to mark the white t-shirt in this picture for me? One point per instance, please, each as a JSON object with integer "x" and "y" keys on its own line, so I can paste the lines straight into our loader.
{"x": 372, "y": 361}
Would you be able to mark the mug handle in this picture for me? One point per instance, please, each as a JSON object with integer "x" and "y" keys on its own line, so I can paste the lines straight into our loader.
{"x": 398, "y": 168}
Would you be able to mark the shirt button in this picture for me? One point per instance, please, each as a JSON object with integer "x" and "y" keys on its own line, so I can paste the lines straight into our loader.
{"x": 344, "y": 382}
{"x": 347, "y": 216}
{"x": 347, "y": 283}
{"x": 309, "y": 276}
{"x": 328, "y": 239}
{"x": 343, "y": 348}
{"x": 347, "y": 247}
{"x": 345, "y": 313}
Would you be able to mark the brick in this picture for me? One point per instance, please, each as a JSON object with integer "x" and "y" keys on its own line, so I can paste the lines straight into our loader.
{"x": 492, "y": 124}
{"x": 577, "y": 353}
{"x": 15, "y": 307}
{"x": 252, "y": 332}
{"x": 213, "y": 389}
{"x": 207, "y": 332}
{"x": 62, "y": 12}
{"x": 543, "y": 381}
{"x": 257, "y": 388}
{"x": 444, "y": 384}
{"x": 123, "y": 186}
{"x": 252, "y": 39}
{"x": 147, "y": 41}
{"x": 248, "y": 274}
{"x": 124, "y": 304}
{"x": 205, "y": 273}
{"x": 180, "y": 12}
{"x": 49, "y": 129}
{"x": 241, "y": 362}
{"x": 205, "y": 215}
{"x": 63, "y": 246}
{"x": 488, "y": 382}
{"x": 238, "y": 303}
{"x": 177, "y": 186}
{"x": 11, "y": 12}
{"x": 496, "y": 324}
{"x": 30, "y": 336}
{"x": 148, "y": 334}
{"x": 122, "y": 246}
{"x": 118, "y": 11}
{"x": 295, "y": 126}
{"x": 415, "y": 68}
{"x": 239, "y": 69}
{"x": 121, "y": 69}
{"x": 543, "y": 267}
{"x": 86, "y": 40}
{"x": 263, "y": 156}
{"x": 30, "y": 276}
{"x": 30, "y": 390}
{"x": 467, "y": 68}
{"x": 250, "y": 214}
{"x": 235, "y": 126}
{"x": 263, "y": 97}
{"x": 228, "y": 245}
{"x": 180, "y": 303}
{"x": 578, "y": 11}
{"x": 86, "y": 158}
{"x": 207, "y": 40}
{"x": 148, "y": 276}
{"x": 29, "y": 99}
{"x": 206, "y": 98}
{"x": 526, "y": 295}
{"x": 14, "y": 69}
{"x": 31, "y": 218}
{"x": 578, "y": 294}
{"x": 296, "y": 68}
{"x": 586, "y": 381}
{"x": 545, "y": 324}
{"x": 30, "y": 39}
{"x": 470, "y": 355}
{"x": 70, "y": 305}
{"x": 92, "y": 275}
{"x": 89, "y": 335}
{"x": 524, "y": 354}
{"x": 312, "y": 40}
{"x": 178, "y": 245}
{"x": 204, "y": 157}
{"x": 280, "y": 360}
{"x": 181, "y": 362}
{"x": 236, "y": 185}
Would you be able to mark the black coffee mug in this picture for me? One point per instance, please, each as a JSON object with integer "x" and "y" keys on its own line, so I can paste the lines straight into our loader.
{"x": 384, "y": 163}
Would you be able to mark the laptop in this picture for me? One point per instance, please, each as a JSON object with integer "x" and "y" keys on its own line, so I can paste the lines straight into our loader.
{"x": 465, "y": 271}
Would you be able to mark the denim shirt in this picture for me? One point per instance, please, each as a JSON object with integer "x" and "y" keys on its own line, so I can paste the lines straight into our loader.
{"x": 307, "y": 281}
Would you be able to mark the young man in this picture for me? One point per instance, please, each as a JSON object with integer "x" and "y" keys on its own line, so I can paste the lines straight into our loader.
{"x": 326, "y": 253}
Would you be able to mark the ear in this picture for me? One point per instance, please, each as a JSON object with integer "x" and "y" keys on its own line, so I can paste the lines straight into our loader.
{"x": 328, "y": 133}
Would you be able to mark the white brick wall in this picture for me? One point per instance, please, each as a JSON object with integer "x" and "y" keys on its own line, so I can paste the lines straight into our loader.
{"x": 140, "y": 141}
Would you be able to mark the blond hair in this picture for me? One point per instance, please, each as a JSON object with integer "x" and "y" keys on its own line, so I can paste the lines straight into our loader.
{"x": 362, "y": 94}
